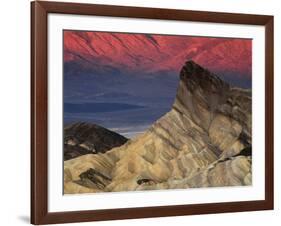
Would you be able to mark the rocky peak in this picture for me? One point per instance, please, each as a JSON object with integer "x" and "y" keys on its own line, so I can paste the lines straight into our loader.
{"x": 195, "y": 76}
{"x": 202, "y": 94}
{"x": 199, "y": 94}
{"x": 197, "y": 79}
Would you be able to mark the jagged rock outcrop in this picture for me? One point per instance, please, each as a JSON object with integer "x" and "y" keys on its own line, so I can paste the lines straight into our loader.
{"x": 87, "y": 138}
{"x": 200, "y": 142}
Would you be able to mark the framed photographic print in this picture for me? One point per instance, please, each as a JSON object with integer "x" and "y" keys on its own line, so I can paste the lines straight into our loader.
{"x": 145, "y": 112}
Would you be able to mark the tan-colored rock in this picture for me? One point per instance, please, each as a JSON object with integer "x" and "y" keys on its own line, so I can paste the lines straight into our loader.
{"x": 196, "y": 144}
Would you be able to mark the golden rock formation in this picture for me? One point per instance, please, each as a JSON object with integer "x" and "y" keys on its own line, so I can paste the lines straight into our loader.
{"x": 203, "y": 141}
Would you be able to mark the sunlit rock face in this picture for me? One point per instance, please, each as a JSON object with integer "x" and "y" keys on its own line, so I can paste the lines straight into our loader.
{"x": 203, "y": 141}
{"x": 138, "y": 54}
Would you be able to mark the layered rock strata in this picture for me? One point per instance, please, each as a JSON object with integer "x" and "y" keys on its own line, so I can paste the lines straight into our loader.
{"x": 203, "y": 141}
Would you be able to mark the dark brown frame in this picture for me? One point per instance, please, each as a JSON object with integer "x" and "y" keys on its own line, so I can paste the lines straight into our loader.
{"x": 39, "y": 107}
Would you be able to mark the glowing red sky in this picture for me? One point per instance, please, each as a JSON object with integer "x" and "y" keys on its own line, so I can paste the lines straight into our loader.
{"x": 155, "y": 53}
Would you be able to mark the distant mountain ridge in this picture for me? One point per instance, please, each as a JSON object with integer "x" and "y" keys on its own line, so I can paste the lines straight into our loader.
{"x": 109, "y": 52}
{"x": 203, "y": 141}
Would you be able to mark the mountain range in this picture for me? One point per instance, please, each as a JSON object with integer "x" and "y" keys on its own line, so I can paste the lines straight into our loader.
{"x": 203, "y": 141}
{"x": 152, "y": 54}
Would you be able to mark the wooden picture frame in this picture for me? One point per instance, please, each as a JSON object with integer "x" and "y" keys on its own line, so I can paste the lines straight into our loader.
{"x": 39, "y": 112}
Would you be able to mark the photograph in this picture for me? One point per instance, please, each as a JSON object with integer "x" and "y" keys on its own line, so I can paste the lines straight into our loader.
{"x": 143, "y": 112}
{"x": 148, "y": 111}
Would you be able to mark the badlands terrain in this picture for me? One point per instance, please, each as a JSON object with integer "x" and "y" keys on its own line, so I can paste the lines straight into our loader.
{"x": 203, "y": 141}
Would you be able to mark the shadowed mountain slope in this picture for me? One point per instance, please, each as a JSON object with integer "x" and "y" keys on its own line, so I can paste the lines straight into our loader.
{"x": 86, "y": 138}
